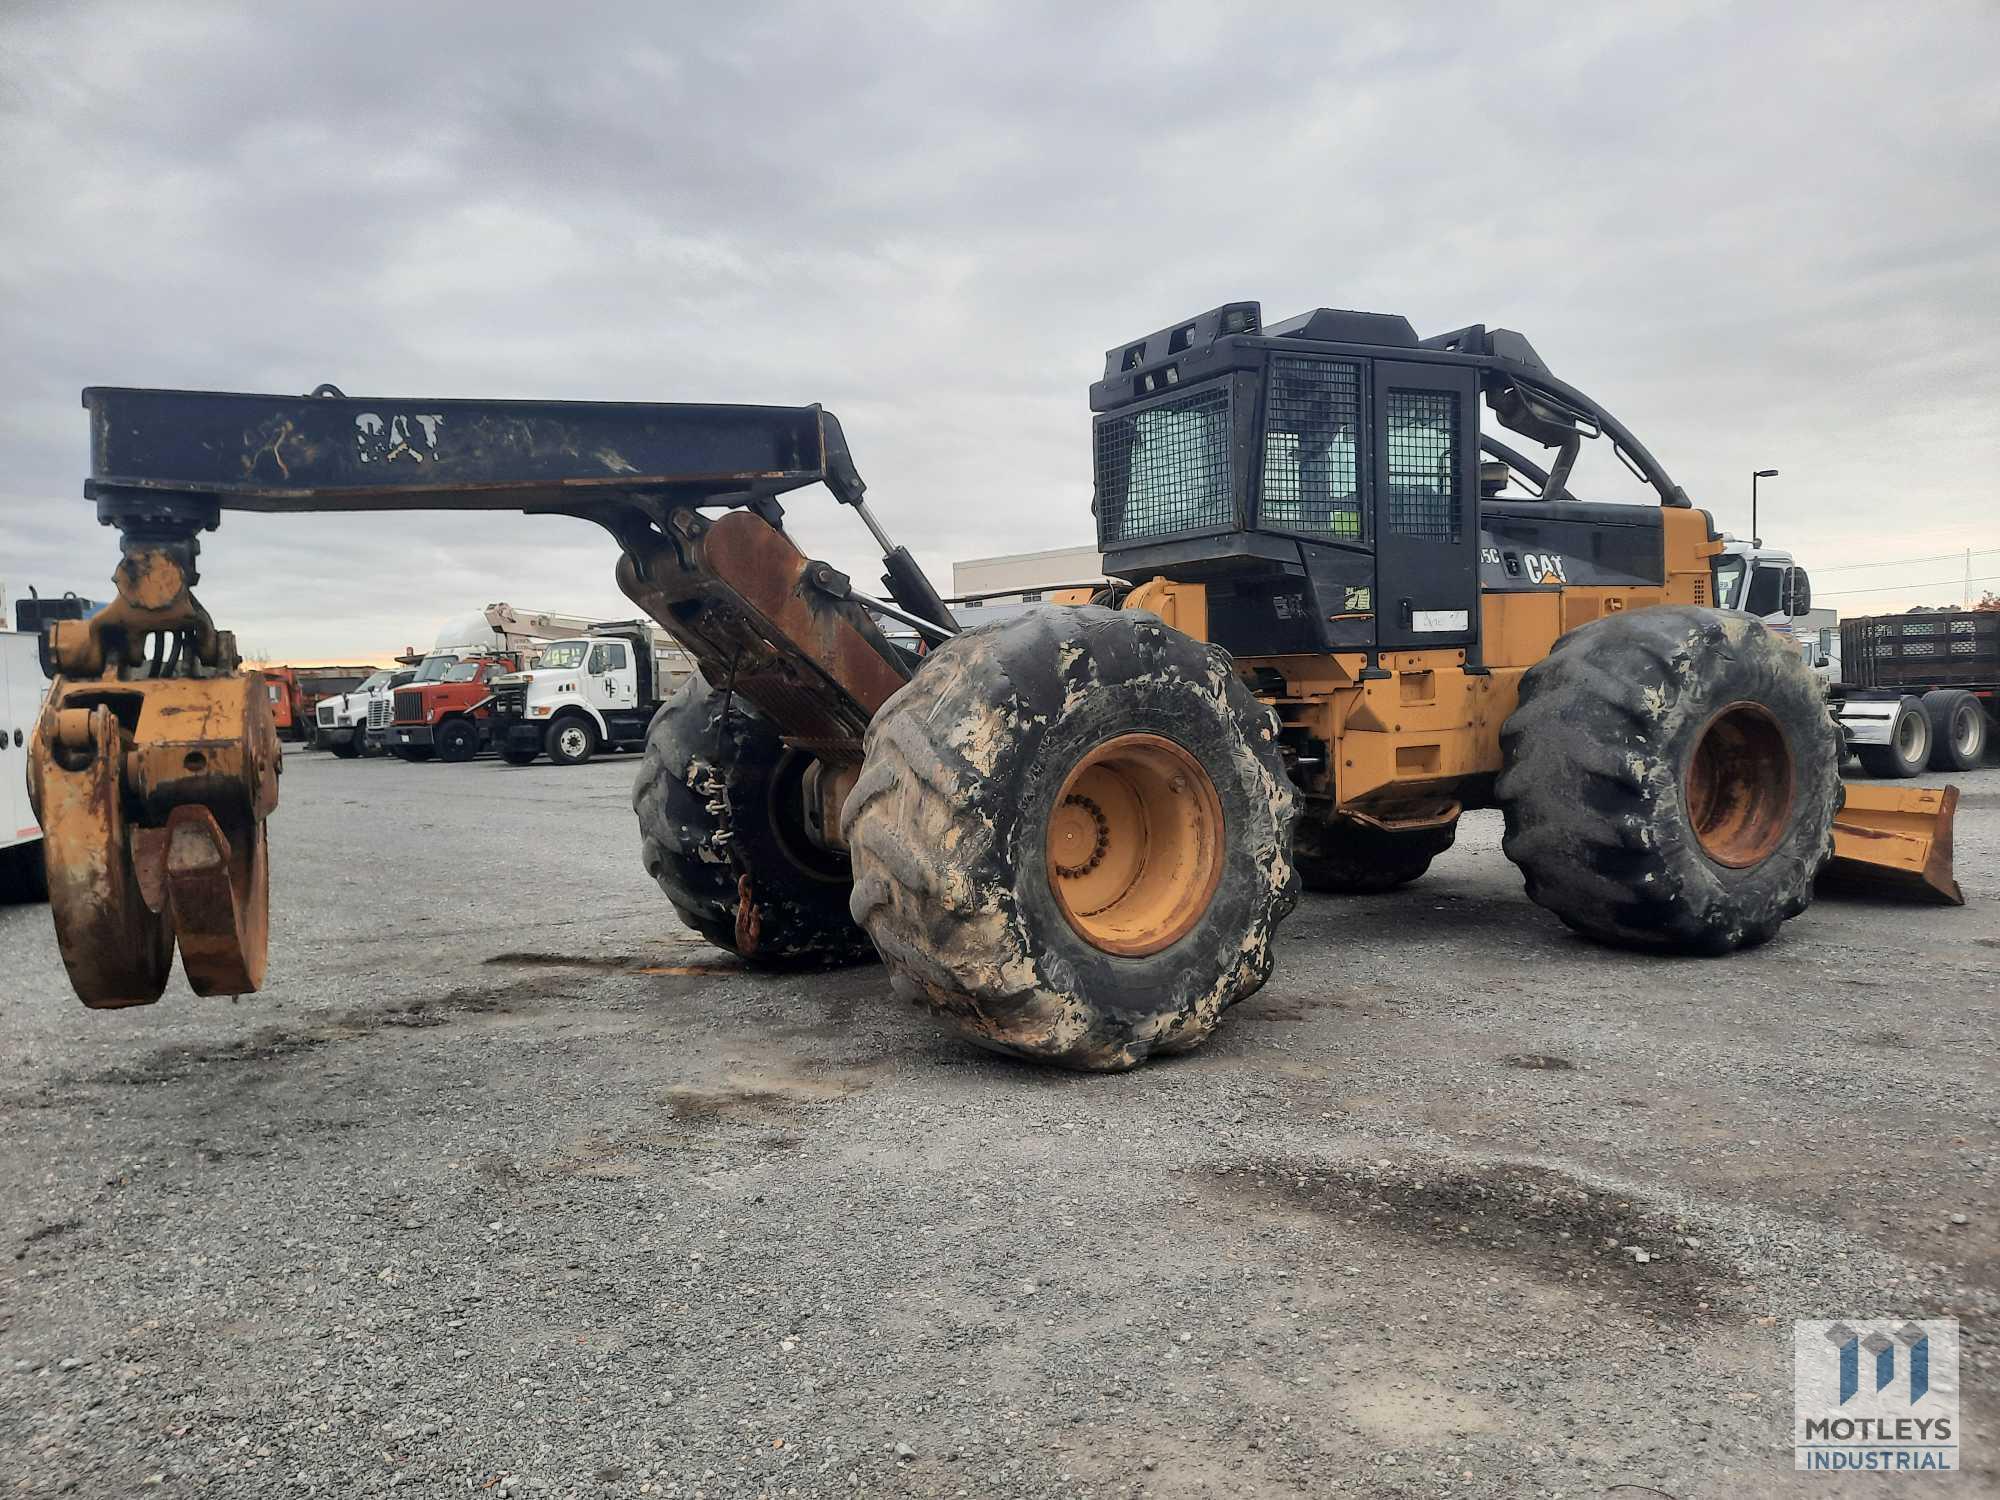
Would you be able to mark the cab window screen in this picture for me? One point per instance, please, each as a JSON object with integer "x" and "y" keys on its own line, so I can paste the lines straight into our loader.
{"x": 1312, "y": 421}
{"x": 1166, "y": 469}
{"x": 1423, "y": 465}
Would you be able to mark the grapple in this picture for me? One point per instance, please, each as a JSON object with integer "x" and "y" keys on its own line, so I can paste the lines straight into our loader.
{"x": 153, "y": 769}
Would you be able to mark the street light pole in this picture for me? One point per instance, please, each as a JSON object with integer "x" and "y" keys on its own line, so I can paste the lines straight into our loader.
{"x": 1757, "y": 474}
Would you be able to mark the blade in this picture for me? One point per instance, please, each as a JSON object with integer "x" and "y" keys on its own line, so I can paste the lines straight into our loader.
{"x": 1895, "y": 841}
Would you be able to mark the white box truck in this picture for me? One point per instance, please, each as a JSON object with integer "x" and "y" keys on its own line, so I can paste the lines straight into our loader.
{"x": 21, "y": 689}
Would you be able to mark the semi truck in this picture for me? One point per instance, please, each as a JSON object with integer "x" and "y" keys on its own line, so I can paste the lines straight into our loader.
{"x": 1919, "y": 690}
{"x": 595, "y": 692}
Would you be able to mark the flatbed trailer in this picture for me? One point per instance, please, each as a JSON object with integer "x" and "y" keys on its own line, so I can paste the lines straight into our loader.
{"x": 1921, "y": 690}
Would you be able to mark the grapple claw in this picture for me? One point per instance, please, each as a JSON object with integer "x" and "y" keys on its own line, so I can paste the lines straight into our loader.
{"x": 217, "y": 888}
{"x": 152, "y": 792}
{"x": 117, "y": 949}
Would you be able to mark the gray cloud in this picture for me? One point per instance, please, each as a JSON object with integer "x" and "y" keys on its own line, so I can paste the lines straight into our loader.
{"x": 1764, "y": 236}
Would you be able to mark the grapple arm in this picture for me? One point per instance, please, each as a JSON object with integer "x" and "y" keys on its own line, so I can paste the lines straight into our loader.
{"x": 155, "y": 763}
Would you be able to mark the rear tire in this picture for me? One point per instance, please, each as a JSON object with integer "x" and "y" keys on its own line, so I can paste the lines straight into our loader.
{"x": 457, "y": 741}
{"x": 1339, "y": 856}
{"x": 571, "y": 741}
{"x": 520, "y": 757}
{"x": 718, "y": 804}
{"x": 1958, "y": 729}
{"x": 1909, "y": 747}
{"x": 1072, "y": 836}
{"x": 1670, "y": 780}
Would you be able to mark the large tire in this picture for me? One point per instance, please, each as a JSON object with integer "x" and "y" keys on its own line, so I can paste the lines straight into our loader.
{"x": 346, "y": 749}
{"x": 718, "y": 804}
{"x": 1339, "y": 856}
{"x": 972, "y": 767}
{"x": 1909, "y": 747}
{"x": 1671, "y": 780}
{"x": 520, "y": 757}
{"x": 1958, "y": 729}
{"x": 414, "y": 754}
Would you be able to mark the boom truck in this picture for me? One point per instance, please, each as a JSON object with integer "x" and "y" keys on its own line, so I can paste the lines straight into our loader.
{"x": 1072, "y": 832}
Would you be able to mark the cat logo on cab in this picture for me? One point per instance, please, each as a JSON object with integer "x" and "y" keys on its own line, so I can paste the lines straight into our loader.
{"x": 1544, "y": 567}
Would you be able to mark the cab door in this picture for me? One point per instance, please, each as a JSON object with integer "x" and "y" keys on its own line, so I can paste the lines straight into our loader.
{"x": 1426, "y": 472}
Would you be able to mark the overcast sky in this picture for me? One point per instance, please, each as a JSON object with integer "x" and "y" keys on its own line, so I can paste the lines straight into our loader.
{"x": 1765, "y": 236}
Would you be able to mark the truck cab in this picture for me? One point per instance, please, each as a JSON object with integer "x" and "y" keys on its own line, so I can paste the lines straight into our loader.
{"x": 445, "y": 711}
{"x": 594, "y": 692}
{"x": 1768, "y": 583}
{"x": 344, "y": 721}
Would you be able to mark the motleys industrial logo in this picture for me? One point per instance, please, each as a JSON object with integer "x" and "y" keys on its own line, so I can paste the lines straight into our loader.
{"x": 1875, "y": 1394}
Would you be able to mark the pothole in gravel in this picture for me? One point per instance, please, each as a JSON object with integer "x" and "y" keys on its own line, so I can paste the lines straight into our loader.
{"x": 271, "y": 1043}
{"x": 1551, "y": 1225}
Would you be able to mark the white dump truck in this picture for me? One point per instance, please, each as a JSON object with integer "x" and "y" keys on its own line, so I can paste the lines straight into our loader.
{"x": 596, "y": 691}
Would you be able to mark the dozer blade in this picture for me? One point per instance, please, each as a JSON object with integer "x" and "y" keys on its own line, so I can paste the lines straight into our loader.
{"x": 1895, "y": 841}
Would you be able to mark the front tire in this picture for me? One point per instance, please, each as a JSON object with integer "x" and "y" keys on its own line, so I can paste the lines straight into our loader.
{"x": 1072, "y": 836}
{"x": 721, "y": 826}
{"x": 457, "y": 741}
{"x": 1909, "y": 747}
{"x": 346, "y": 750}
{"x": 571, "y": 741}
{"x": 519, "y": 757}
{"x": 1670, "y": 780}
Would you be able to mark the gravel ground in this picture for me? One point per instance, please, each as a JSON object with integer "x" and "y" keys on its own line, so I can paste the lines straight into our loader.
{"x": 507, "y": 1185}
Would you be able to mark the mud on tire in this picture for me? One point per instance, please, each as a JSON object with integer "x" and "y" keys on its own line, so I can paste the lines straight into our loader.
{"x": 717, "y": 802}
{"x": 1671, "y": 779}
{"x": 1339, "y": 856}
{"x": 949, "y": 829}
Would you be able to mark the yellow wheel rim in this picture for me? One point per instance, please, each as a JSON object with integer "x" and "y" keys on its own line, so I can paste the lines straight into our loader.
{"x": 1135, "y": 844}
{"x": 1739, "y": 785}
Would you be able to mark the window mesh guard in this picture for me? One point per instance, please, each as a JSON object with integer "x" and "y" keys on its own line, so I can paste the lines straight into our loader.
{"x": 1423, "y": 465}
{"x": 1165, "y": 470}
{"x": 1312, "y": 420}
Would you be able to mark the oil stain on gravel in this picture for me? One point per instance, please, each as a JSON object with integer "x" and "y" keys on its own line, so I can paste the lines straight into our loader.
{"x": 271, "y": 1043}
{"x": 1548, "y": 1224}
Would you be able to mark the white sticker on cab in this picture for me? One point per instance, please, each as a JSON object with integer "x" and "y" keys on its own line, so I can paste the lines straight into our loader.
{"x": 1433, "y": 621}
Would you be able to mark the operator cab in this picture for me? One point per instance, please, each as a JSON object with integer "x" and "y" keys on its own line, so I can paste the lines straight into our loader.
{"x": 1322, "y": 477}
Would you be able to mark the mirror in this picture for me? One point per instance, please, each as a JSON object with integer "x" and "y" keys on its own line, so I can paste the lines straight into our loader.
{"x": 1798, "y": 592}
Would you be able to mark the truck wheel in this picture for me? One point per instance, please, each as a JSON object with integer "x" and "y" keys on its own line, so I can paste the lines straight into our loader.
{"x": 1670, "y": 780}
{"x": 457, "y": 741}
{"x": 722, "y": 829}
{"x": 1909, "y": 747}
{"x": 367, "y": 746}
{"x": 519, "y": 757}
{"x": 413, "y": 753}
{"x": 1339, "y": 856}
{"x": 1958, "y": 729}
{"x": 1072, "y": 836}
{"x": 571, "y": 741}
{"x": 347, "y": 750}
